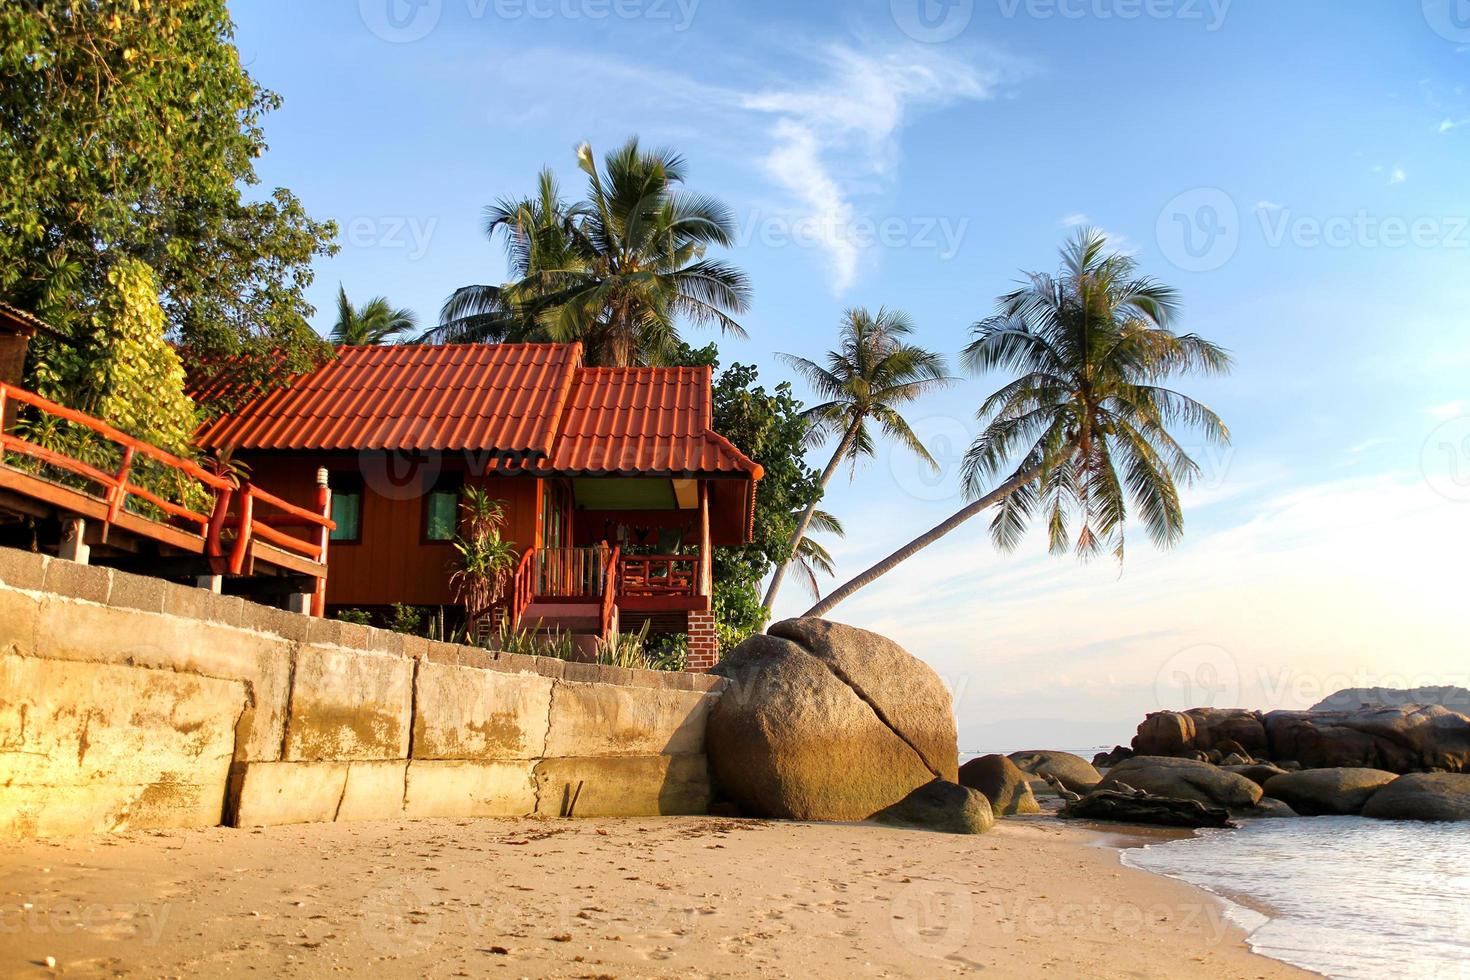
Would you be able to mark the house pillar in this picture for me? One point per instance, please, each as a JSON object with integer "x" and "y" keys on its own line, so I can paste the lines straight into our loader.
{"x": 704, "y": 644}
{"x": 74, "y": 545}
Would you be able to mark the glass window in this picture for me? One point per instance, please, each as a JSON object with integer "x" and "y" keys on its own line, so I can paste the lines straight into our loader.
{"x": 441, "y": 516}
{"x": 347, "y": 512}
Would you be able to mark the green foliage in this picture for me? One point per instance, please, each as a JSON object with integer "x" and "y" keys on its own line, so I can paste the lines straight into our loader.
{"x": 374, "y": 322}
{"x": 359, "y": 616}
{"x": 770, "y": 428}
{"x": 406, "y": 619}
{"x": 616, "y": 271}
{"x": 129, "y": 130}
{"x": 619, "y": 649}
{"x": 486, "y": 561}
{"x": 534, "y": 642}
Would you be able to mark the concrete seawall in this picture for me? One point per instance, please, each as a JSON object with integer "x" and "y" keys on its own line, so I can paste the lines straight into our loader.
{"x": 128, "y": 702}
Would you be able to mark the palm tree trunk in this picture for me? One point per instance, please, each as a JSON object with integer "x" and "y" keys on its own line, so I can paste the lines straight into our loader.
{"x": 806, "y": 517}
{"x": 918, "y": 544}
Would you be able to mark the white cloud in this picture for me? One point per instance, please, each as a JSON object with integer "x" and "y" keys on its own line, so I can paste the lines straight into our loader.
{"x": 842, "y": 129}
{"x": 1118, "y": 241}
{"x": 1450, "y": 410}
{"x": 1398, "y": 176}
{"x": 1449, "y": 125}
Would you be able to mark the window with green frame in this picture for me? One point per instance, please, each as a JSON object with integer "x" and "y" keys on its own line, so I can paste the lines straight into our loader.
{"x": 346, "y": 508}
{"x": 441, "y": 511}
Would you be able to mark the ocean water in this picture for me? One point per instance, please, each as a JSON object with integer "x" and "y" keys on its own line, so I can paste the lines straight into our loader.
{"x": 1343, "y": 896}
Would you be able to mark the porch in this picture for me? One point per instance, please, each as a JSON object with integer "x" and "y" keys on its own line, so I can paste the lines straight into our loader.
{"x": 600, "y": 589}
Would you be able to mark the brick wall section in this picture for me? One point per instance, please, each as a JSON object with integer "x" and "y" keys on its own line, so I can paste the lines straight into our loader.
{"x": 704, "y": 644}
{"x": 128, "y": 702}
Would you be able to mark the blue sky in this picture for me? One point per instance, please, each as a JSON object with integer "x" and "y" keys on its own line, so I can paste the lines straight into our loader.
{"x": 1296, "y": 169}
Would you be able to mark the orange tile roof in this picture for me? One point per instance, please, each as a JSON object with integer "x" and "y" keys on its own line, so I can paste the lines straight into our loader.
{"x": 532, "y": 407}
{"x": 501, "y": 397}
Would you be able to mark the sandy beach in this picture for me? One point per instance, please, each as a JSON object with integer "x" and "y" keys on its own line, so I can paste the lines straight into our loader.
{"x": 627, "y": 898}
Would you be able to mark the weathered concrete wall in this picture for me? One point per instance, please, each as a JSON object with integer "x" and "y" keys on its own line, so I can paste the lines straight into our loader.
{"x": 127, "y": 702}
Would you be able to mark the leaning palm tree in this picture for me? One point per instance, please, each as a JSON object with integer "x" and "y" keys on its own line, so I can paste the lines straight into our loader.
{"x": 1083, "y": 431}
{"x": 375, "y": 322}
{"x": 873, "y": 372}
{"x": 616, "y": 272}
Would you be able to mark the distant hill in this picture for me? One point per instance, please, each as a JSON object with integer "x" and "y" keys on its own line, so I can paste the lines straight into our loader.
{"x": 1454, "y": 698}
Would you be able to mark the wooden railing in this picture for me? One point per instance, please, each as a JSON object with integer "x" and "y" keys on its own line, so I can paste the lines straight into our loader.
{"x": 234, "y": 506}
{"x": 523, "y": 588}
{"x": 659, "y": 575}
{"x": 610, "y": 593}
{"x": 571, "y": 572}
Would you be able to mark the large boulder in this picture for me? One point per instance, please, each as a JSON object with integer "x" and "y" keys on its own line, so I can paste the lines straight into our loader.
{"x": 1003, "y": 784}
{"x": 1073, "y": 772}
{"x": 941, "y": 806}
{"x": 1436, "y": 796}
{"x": 1327, "y": 792}
{"x": 1454, "y": 698}
{"x": 1183, "y": 733}
{"x": 827, "y": 722}
{"x": 1183, "y": 779}
{"x": 1257, "y": 773}
{"x": 1400, "y": 739}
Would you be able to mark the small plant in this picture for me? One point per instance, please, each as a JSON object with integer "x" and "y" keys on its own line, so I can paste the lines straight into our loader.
{"x": 534, "y": 642}
{"x": 486, "y": 561}
{"x": 359, "y": 616}
{"x": 624, "y": 649}
{"x": 670, "y": 653}
{"x": 406, "y": 619}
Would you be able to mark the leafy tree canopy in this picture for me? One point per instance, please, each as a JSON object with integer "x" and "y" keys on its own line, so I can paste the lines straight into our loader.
{"x": 129, "y": 130}
{"x": 769, "y": 427}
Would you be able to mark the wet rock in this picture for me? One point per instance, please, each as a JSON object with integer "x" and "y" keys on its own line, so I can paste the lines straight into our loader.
{"x": 1328, "y": 792}
{"x": 1185, "y": 780}
{"x": 1111, "y": 805}
{"x": 1437, "y": 796}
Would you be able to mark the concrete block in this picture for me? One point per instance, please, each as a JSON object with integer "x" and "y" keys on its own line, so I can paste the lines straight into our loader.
{"x": 278, "y": 622}
{"x": 136, "y": 592}
{"x": 483, "y": 715}
{"x": 374, "y": 791}
{"x": 600, "y": 720}
{"x": 348, "y": 705}
{"x": 88, "y": 748}
{"x": 23, "y": 569}
{"x": 628, "y": 787}
{"x": 273, "y": 793}
{"x": 19, "y": 614}
{"x": 67, "y": 578}
{"x": 69, "y": 630}
{"x": 470, "y": 789}
{"x": 192, "y": 602}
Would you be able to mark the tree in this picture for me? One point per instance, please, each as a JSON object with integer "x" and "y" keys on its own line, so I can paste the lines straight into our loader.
{"x": 128, "y": 131}
{"x": 1086, "y": 421}
{"x": 768, "y": 426}
{"x": 617, "y": 271}
{"x": 873, "y": 372}
{"x": 375, "y": 322}
{"x": 811, "y": 557}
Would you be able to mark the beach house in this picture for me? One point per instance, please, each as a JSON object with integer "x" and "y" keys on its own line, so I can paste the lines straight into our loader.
{"x": 615, "y": 488}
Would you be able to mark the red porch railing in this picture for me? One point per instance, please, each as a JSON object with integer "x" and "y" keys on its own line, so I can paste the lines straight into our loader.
{"x": 117, "y": 487}
{"x": 659, "y": 575}
{"x": 568, "y": 573}
{"x": 523, "y": 588}
{"x": 610, "y": 593}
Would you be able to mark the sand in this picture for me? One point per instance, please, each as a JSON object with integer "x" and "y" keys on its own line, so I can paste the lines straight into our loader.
{"x": 684, "y": 897}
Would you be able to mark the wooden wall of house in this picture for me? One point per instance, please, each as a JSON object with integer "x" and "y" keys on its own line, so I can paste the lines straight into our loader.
{"x": 392, "y": 562}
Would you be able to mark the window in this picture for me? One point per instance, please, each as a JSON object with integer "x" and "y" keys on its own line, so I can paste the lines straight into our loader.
{"x": 346, "y": 508}
{"x": 441, "y": 511}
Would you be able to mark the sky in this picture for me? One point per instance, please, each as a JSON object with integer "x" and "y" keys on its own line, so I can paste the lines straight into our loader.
{"x": 1296, "y": 170}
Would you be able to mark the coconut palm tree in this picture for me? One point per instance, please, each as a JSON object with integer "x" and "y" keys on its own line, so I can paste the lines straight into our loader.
{"x": 811, "y": 557}
{"x": 1083, "y": 430}
{"x": 375, "y": 322}
{"x": 871, "y": 375}
{"x": 616, "y": 271}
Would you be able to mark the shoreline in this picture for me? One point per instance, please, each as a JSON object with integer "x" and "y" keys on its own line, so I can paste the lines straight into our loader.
{"x": 685, "y": 896}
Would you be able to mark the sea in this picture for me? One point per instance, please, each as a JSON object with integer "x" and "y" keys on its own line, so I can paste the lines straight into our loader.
{"x": 1341, "y": 896}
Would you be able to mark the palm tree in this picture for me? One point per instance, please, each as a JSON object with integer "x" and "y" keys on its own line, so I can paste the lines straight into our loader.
{"x": 873, "y": 372}
{"x": 616, "y": 271}
{"x": 373, "y": 323}
{"x": 811, "y": 557}
{"x": 1086, "y": 420}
